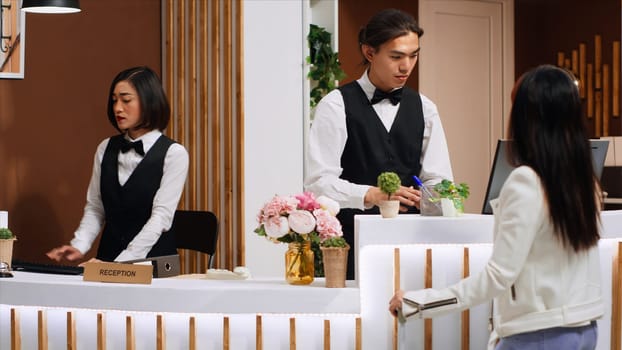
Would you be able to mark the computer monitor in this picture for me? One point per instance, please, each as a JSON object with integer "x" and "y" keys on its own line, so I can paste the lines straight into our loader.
{"x": 501, "y": 168}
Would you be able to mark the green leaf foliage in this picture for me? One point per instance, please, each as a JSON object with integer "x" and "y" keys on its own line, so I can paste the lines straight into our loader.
{"x": 389, "y": 182}
{"x": 448, "y": 189}
{"x": 325, "y": 66}
{"x": 5, "y": 233}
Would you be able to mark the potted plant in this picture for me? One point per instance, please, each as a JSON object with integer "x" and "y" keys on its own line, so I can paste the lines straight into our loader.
{"x": 452, "y": 197}
{"x": 334, "y": 250}
{"x": 389, "y": 183}
{"x": 6, "y": 245}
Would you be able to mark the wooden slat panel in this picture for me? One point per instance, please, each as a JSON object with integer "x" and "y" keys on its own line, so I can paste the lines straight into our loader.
{"x": 225, "y": 333}
{"x": 215, "y": 115}
{"x": 598, "y": 61}
{"x": 582, "y": 51}
{"x": 396, "y": 287}
{"x": 16, "y": 337}
{"x": 615, "y": 108}
{"x": 427, "y": 327}
{"x": 292, "y": 333}
{"x": 239, "y": 64}
{"x": 616, "y": 300}
{"x": 160, "y": 333}
{"x": 228, "y": 136}
{"x": 130, "y": 341}
{"x": 605, "y": 102}
{"x": 465, "y": 317}
{"x": 590, "y": 91}
{"x": 204, "y": 105}
{"x": 71, "y": 331}
{"x": 42, "y": 330}
{"x": 258, "y": 333}
{"x": 358, "y": 334}
{"x": 326, "y": 334}
{"x": 101, "y": 331}
{"x": 192, "y": 333}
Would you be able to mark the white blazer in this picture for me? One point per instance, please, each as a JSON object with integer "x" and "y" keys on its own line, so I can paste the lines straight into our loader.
{"x": 535, "y": 281}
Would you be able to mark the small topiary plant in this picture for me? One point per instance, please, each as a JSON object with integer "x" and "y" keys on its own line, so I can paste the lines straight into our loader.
{"x": 389, "y": 183}
{"x": 5, "y": 233}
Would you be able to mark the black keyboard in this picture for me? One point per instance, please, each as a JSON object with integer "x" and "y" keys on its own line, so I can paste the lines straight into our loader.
{"x": 25, "y": 266}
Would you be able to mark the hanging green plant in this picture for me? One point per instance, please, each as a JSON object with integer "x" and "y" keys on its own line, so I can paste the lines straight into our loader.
{"x": 325, "y": 66}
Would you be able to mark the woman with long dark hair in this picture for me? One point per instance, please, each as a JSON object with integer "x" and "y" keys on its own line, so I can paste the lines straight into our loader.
{"x": 544, "y": 270}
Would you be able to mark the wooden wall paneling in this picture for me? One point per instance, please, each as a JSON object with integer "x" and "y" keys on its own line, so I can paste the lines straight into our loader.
{"x": 160, "y": 333}
{"x": 215, "y": 116}
{"x": 227, "y": 218}
{"x": 582, "y": 52}
{"x": 465, "y": 317}
{"x": 42, "y": 330}
{"x": 204, "y": 79}
{"x": 292, "y": 333}
{"x": 16, "y": 337}
{"x": 567, "y": 64}
{"x": 226, "y": 336}
{"x": 258, "y": 333}
{"x": 427, "y": 326}
{"x": 101, "y": 331}
{"x": 192, "y": 333}
{"x": 561, "y": 58}
{"x": 605, "y": 102}
{"x": 575, "y": 62}
{"x": 326, "y": 334}
{"x": 396, "y": 287}
{"x": 598, "y": 61}
{"x": 130, "y": 338}
{"x": 71, "y": 331}
{"x": 239, "y": 64}
{"x": 598, "y": 113}
{"x": 615, "y": 83}
{"x": 616, "y": 299}
{"x": 590, "y": 91}
{"x": 358, "y": 334}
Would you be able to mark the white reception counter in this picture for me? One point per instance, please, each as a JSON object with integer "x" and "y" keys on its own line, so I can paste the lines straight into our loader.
{"x": 351, "y": 318}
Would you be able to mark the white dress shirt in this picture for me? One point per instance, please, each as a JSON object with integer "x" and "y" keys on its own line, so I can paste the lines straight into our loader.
{"x": 328, "y": 136}
{"x": 164, "y": 203}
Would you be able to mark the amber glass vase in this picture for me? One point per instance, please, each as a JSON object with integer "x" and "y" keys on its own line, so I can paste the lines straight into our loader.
{"x": 299, "y": 268}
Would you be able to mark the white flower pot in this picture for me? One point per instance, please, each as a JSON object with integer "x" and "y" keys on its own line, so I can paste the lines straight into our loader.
{"x": 389, "y": 209}
{"x": 448, "y": 207}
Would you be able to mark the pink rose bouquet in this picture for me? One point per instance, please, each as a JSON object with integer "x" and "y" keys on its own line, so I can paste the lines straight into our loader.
{"x": 302, "y": 217}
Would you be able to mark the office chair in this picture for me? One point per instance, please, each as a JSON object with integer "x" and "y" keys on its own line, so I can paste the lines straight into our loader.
{"x": 196, "y": 231}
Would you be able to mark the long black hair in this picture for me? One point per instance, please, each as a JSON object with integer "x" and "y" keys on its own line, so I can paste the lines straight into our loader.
{"x": 549, "y": 135}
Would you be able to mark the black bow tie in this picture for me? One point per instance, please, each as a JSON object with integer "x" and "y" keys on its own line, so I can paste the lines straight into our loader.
{"x": 394, "y": 96}
{"x": 137, "y": 146}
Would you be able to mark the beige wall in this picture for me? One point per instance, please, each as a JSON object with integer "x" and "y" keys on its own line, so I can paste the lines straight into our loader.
{"x": 52, "y": 121}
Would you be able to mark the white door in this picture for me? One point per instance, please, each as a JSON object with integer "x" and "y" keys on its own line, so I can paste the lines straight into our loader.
{"x": 467, "y": 69}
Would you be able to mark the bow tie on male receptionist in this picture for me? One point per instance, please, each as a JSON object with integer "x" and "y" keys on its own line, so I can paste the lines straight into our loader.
{"x": 137, "y": 146}
{"x": 394, "y": 96}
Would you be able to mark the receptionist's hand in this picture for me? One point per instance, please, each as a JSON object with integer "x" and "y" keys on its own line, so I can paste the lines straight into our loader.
{"x": 408, "y": 197}
{"x": 65, "y": 252}
{"x": 396, "y": 302}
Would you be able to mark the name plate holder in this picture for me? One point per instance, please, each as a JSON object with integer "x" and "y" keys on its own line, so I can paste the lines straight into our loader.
{"x": 118, "y": 272}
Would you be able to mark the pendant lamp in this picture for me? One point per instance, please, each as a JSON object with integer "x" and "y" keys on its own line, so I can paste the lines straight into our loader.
{"x": 51, "y": 6}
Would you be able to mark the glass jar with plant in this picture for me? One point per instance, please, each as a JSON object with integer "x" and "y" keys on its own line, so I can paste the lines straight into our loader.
{"x": 452, "y": 196}
{"x": 389, "y": 182}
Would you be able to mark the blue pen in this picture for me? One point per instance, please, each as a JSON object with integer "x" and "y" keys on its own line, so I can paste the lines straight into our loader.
{"x": 424, "y": 189}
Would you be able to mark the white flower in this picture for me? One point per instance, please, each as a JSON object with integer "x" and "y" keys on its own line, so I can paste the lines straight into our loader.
{"x": 328, "y": 204}
{"x": 276, "y": 227}
{"x": 301, "y": 221}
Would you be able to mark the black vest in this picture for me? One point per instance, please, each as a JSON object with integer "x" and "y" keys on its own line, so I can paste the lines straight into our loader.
{"x": 128, "y": 208}
{"x": 371, "y": 150}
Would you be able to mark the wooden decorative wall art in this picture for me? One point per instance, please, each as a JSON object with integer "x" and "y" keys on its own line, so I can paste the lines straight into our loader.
{"x": 599, "y": 83}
